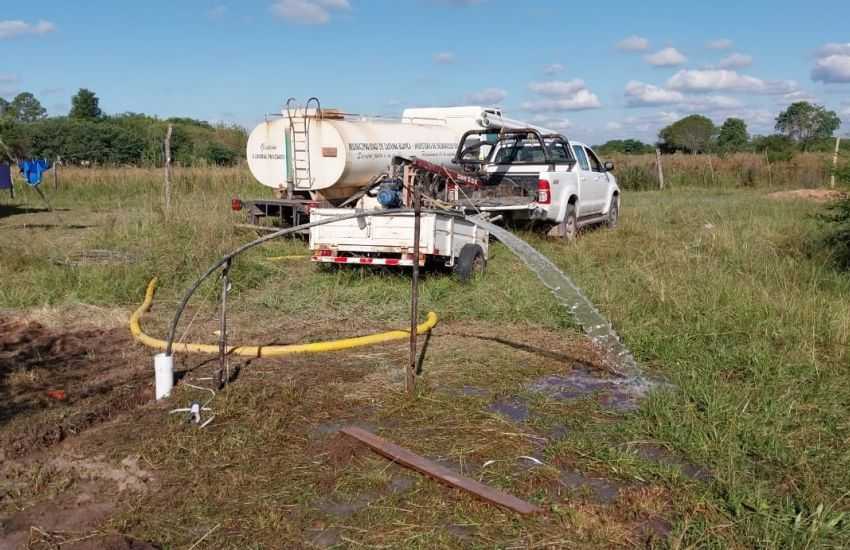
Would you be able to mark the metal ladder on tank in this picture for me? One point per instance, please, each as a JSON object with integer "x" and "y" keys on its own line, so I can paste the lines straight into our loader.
{"x": 299, "y": 124}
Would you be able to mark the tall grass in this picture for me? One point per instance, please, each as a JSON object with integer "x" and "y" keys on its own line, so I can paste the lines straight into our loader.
{"x": 804, "y": 170}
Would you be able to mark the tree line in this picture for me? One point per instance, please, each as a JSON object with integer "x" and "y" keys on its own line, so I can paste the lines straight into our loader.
{"x": 803, "y": 126}
{"x": 89, "y": 136}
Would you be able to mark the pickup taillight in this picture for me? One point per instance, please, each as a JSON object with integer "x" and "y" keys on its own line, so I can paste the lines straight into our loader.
{"x": 235, "y": 204}
{"x": 544, "y": 192}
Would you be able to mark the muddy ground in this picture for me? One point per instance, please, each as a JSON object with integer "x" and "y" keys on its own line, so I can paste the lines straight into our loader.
{"x": 84, "y": 458}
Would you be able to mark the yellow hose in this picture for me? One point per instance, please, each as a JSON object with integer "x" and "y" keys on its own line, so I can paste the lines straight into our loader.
{"x": 267, "y": 351}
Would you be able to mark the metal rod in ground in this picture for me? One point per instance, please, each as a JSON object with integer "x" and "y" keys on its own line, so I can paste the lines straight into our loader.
{"x": 410, "y": 378}
{"x": 224, "y": 371}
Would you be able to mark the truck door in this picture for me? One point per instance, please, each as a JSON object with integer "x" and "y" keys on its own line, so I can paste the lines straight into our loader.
{"x": 599, "y": 189}
{"x": 587, "y": 200}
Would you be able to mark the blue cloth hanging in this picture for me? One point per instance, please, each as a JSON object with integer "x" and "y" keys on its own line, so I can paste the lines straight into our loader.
{"x": 32, "y": 170}
{"x": 5, "y": 176}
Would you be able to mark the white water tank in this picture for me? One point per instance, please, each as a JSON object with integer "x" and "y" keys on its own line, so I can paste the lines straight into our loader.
{"x": 346, "y": 152}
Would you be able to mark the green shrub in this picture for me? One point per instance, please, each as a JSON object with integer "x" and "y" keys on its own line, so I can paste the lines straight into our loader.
{"x": 837, "y": 239}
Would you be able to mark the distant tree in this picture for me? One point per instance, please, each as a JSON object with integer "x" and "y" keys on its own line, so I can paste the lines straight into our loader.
{"x": 26, "y": 108}
{"x": 804, "y": 122}
{"x": 693, "y": 134}
{"x": 189, "y": 122}
{"x": 777, "y": 147}
{"x": 4, "y": 107}
{"x": 85, "y": 105}
{"x": 624, "y": 146}
{"x": 733, "y": 135}
{"x": 14, "y": 139}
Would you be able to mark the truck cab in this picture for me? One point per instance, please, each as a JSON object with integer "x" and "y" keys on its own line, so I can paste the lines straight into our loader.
{"x": 547, "y": 178}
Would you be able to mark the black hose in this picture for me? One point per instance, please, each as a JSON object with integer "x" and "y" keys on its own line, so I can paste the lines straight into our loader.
{"x": 224, "y": 259}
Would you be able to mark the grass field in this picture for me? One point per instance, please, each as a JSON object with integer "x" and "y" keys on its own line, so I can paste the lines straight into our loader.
{"x": 723, "y": 292}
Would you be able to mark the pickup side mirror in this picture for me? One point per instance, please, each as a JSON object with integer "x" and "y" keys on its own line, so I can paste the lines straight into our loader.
{"x": 609, "y": 166}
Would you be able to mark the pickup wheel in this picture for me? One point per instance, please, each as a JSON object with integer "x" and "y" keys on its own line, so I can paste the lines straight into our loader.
{"x": 567, "y": 229}
{"x": 614, "y": 212}
{"x": 470, "y": 262}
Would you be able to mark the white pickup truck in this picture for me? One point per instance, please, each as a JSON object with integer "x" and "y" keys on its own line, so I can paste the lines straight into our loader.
{"x": 535, "y": 177}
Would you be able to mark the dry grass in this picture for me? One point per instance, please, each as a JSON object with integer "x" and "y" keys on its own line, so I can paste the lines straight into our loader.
{"x": 636, "y": 172}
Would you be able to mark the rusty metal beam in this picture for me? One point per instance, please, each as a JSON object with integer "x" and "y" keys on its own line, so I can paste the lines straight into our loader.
{"x": 440, "y": 473}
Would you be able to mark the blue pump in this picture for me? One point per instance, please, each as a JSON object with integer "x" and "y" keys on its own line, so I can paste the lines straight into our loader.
{"x": 389, "y": 194}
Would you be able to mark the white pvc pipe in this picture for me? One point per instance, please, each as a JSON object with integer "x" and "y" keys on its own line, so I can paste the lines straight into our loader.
{"x": 163, "y": 366}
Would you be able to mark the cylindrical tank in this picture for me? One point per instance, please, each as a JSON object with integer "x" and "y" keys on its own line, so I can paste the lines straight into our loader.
{"x": 344, "y": 154}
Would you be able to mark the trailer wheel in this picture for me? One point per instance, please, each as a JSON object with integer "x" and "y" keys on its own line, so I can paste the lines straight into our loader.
{"x": 470, "y": 262}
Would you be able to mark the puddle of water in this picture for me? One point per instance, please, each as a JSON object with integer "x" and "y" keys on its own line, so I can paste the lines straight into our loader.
{"x": 474, "y": 391}
{"x": 660, "y": 455}
{"x": 581, "y": 381}
{"x": 600, "y": 491}
{"x": 327, "y": 538}
{"x": 400, "y": 484}
{"x": 463, "y": 532}
{"x": 512, "y": 408}
{"x": 344, "y": 509}
{"x": 657, "y": 528}
{"x": 397, "y": 485}
{"x": 558, "y": 433}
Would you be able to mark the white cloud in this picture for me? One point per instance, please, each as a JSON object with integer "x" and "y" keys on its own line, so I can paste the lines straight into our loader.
{"x": 579, "y": 101}
{"x": 11, "y": 28}
{"x": 487, "y": 96}
{"x": 561, "y": 95}
{"x": 444, "y": 58}
{"x": 834, "y": 48}
{"x": 797, "y": 95}
{"x": 832, "y": 69}
{"x": 557, "y": 88}
{"x": 613, "y": 126}
{"x": 709, "y": 80}
{"x": 668, "y": 57}
{"x": 633, "y": 43}
{"x": 8, "y": 78}
{"x": 554, "y": 68}
{"x": 719, "y": 44}
{"x": 639, "y": 94}
{"x": 308, "y": 12}
{"x": 559, "y": 124}
{"x": 712, "y": 103}
{"x": 845, "y": 112}
{"x": 735, "y": 61}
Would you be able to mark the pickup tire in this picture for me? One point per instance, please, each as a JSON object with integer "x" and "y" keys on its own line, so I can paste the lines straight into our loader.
{"x": 470, "y": 262}
{"x": 567, "y": 229}
{"x": 613, "y": 212}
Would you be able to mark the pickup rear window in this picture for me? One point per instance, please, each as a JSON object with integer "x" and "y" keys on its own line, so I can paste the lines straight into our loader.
{"x": 529, "y": 153}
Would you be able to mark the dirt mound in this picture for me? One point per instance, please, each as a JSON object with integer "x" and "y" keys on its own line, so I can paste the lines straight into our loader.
{"x": 53, "y": 384}
{"x": 816, "y": 195}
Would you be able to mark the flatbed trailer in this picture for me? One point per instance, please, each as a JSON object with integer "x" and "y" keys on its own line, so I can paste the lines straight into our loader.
{"x": 446, "y": 240}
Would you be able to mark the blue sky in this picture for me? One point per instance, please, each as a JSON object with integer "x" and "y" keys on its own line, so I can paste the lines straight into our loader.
{"x": 595, "y": 70}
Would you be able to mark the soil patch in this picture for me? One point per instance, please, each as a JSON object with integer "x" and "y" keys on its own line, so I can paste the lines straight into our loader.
{"x": 55, "y": 384}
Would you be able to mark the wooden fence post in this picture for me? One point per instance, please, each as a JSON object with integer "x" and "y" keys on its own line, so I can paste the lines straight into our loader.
{"x": 168, "y": 170}
{"x": 769, "y": 170}
{"x": 835, "y": 161}
{"x": 660, "y": 168}
{"x": 410, "y": 375}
